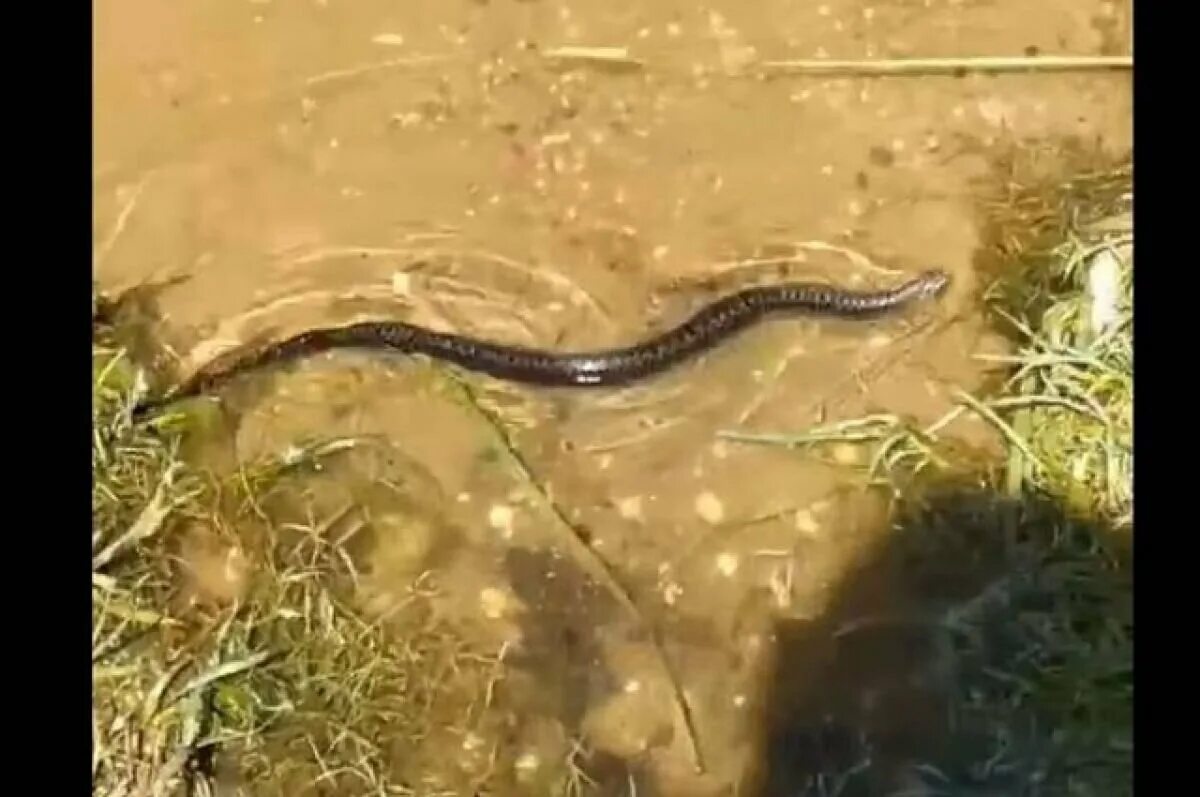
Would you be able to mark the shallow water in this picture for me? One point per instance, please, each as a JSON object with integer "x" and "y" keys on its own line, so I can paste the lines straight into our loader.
{"x": 313, "y": 162}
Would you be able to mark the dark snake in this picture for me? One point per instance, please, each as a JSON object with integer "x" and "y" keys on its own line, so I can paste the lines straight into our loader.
{"x": 711, "y": 325}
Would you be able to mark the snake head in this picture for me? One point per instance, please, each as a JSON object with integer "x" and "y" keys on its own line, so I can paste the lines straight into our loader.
{"x": 931, "y": 283}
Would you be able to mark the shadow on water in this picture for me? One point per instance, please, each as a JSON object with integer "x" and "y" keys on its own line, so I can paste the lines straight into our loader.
{"x": 986, "y": 648}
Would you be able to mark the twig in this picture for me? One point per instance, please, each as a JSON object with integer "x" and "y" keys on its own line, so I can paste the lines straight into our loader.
{"x": 1009, "y": 433}
{"x": 118, "y": 227}
{"x": 640, "y": 436}
{"x": 586, "y": 555}
{"x": 611, "y": 57}
{"x": 364, "y": 69}
{"x": 948, "y": 66}
{"x": 148, "y": 522}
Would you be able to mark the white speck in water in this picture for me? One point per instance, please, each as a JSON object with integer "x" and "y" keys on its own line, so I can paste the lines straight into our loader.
{"x": 493, "y": 602}
{"x": 827, "y": 170}
{"x": 632, "y": 686}
{"x": 630, "y": 508}
{"x": 727, "y": 564}
{"x": 824, "y": 10}
{"x": 806, "y": 522}
{"x": 739, "y": 701}
{"x": 868, "y": 13}
{"x": 292, "y": 454}
{"x": 500, "y": 518}
{"x": 709, "y": 508}
{"x": 879, "y": 340}
{"x": 671, "y": 593}
{"x": 389, "y": 39}
{"x": 402, "y": 283}
{"x": 472, "y": 741}
{"x": 528, "y": 762}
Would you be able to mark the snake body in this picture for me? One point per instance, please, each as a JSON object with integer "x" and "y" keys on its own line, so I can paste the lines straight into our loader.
{"x": 711, "y": 325}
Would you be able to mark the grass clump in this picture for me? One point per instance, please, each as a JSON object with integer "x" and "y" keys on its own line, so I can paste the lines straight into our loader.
{"x": 274, "y": 681}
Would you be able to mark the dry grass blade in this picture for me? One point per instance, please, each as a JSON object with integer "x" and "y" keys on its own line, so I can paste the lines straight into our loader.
{"x": 604, "y": 57}
{"x": 224, "y": 670}
{"x": 148, "y": 523}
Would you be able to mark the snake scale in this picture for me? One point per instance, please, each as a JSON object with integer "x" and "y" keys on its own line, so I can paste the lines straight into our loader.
{"x": 708, "y": 327}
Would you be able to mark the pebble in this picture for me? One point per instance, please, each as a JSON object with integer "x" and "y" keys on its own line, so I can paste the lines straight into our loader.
{"x": 493, "y": 603}
{"x": 500, "y": 518}
{"x": 630, "y": 508}
{"x": 806, "y": 522}
{"x": 710, "y": 508}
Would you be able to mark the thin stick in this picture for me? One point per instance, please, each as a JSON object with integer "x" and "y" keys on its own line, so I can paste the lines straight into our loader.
{"x": 118, "y": 227}
{"x": 596, "y": 56}
{"x": 378, "y": 66}
{"x": 949, "y": 66}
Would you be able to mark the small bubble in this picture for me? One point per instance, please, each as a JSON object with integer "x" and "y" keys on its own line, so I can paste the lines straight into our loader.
{"x": 630, "y": 508}
{"x": 500, "y": 518}
{"x": 710, "y": 508}
{"x": 806, "y": 522}
{"x": 493, "y": 603}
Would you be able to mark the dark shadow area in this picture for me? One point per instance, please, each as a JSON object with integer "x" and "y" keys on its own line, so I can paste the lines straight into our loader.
{"x": 559, "y": 670}
{"x": 985, "y": 649}
{"x": 560, "y": 650}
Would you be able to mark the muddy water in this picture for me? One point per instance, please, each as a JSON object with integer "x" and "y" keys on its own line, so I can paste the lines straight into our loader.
{"x": 319, "y": 161}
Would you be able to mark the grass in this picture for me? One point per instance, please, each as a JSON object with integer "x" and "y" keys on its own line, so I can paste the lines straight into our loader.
{"x": 1044, "y": 653}
{"x": 281, "y": 681}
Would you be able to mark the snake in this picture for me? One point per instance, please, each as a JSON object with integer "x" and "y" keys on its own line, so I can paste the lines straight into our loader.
{"x": 711, "y": 325}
